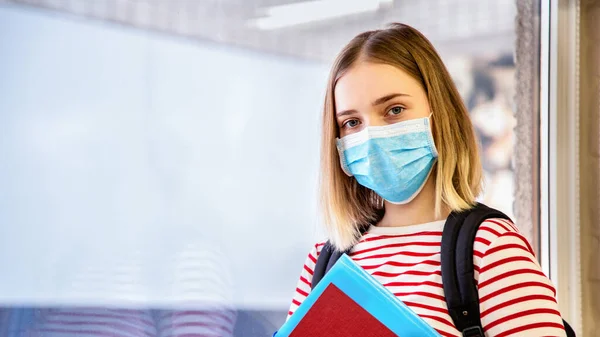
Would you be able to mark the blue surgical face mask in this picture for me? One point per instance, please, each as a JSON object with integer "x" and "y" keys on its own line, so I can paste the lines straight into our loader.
{"x": 393, "y": 160}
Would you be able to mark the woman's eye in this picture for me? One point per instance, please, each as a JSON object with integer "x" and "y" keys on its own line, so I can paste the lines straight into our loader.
{"x": 395, "y": 111}
{"x": 352, "y": 123}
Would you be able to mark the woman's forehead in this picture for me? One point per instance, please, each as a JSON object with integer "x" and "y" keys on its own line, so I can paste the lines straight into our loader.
{"x": 367, "y": 81}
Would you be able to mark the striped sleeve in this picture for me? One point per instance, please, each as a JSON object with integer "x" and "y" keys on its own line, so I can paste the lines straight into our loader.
{"x": 516, "y": 298}
{"x": 303, "y": 286}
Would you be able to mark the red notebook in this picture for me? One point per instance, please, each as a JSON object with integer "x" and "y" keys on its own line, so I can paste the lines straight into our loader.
{"x": 349, "y": 302}
{"x": 335, "y": 314}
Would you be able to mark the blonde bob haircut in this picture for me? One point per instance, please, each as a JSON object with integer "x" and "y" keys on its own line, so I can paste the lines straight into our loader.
{"x": 348, "y": 207}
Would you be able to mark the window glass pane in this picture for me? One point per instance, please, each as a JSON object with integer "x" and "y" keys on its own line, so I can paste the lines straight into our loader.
{"x": 160, "y": 158}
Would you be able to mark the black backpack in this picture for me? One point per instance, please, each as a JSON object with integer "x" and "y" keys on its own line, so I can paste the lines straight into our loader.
{"x": 458, "y": 280}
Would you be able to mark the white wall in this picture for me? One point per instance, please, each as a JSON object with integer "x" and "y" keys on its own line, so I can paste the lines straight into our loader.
{"x": 126, "y": 155}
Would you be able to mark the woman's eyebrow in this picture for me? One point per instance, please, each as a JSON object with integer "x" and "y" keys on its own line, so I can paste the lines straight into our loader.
{"x": 378, "y": 101}
{"x": 388, "y": 97}
{"x": 346, "y": 112}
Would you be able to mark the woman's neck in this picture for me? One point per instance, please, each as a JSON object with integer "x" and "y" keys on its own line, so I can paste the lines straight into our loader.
{"x": 420, "y": 210}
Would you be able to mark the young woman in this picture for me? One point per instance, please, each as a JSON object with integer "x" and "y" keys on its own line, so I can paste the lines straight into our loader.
{"x": 398, "y": 155}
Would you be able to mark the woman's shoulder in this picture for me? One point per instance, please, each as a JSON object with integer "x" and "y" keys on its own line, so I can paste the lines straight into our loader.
{"x": 319, "y": 247}
{"x": 315, "y": 250}
{"x": 496, "y": 227}
{"x": 496, "y": 234}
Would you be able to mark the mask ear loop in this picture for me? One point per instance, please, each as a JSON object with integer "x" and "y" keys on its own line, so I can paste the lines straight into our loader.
{"x": 432, "y": 142}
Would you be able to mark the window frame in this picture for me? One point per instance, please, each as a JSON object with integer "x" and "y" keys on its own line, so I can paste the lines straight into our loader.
{"x": 559, "y": 230}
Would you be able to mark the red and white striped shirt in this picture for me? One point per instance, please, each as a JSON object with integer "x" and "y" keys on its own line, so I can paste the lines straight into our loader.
{"x": 516, "y": 298}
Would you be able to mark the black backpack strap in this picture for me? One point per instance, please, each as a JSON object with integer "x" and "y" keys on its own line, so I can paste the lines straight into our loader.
{"x": 325, "y": 261}
{"x": 327, "y": 258}
{"x": 458, "y": 277}
{"x": 568, "y": 329}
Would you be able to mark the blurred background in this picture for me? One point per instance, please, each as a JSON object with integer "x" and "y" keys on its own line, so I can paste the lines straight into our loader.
{"x": 160, "y": 158}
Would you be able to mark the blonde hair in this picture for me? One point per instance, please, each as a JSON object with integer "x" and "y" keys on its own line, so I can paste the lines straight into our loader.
{"x": 346, "y": 206}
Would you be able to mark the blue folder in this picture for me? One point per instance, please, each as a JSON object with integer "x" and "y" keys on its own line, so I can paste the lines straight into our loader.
{"x": 371, "y": 295}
